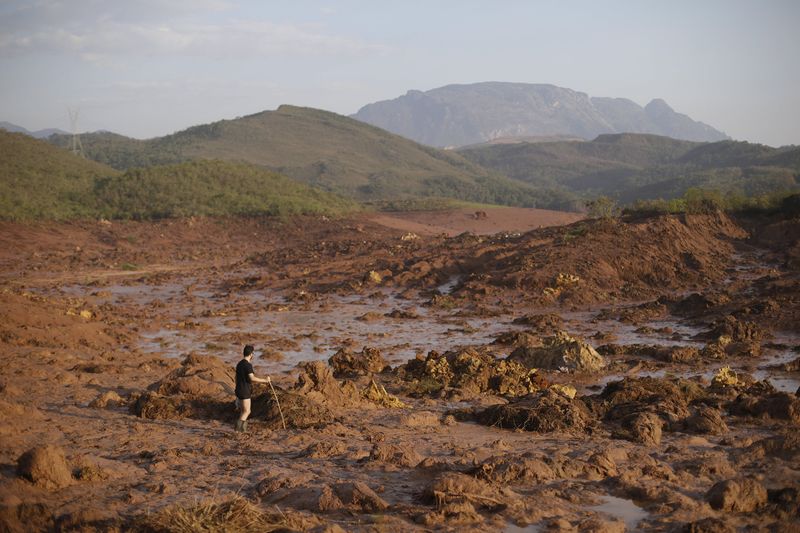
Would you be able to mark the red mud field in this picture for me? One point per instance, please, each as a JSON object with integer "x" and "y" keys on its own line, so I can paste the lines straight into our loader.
{"x": 599, "y": 376}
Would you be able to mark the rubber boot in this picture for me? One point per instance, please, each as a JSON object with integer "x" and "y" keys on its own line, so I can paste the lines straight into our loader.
{"x": 244, "y": 426}
{"x": 239, "y": 426}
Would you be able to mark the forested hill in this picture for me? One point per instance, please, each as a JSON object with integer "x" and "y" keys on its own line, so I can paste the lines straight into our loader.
{"x": 326, "y": 150}
{"x": 632, "y": 167}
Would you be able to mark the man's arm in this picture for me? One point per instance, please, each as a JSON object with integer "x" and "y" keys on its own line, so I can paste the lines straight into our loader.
{"x": 253, "y": 379}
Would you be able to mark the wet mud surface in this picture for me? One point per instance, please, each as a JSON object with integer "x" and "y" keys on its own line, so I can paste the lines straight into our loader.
{"x": 600, "y": 376}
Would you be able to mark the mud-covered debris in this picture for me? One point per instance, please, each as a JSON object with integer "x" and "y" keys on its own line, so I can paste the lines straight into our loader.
{"x": 741, "y": 495}
{"x": 644, "y": 428}
{"x": 508, "y": 468}
{"x": 399, "y": 455}
{"x": 725, "y": 377}
{"x": 45, "y": 466}
{"x": 543, "y": 323}
{"x": 775, "y": 405}
{"x": 353, "y": 497}
{"x": 298, "y": 411}
{"x": 670, "y": 354}
{"x": 785, "y": 446}
{"x": 377, "y": 394}
{"x": 561, "y": 351}
{"x": 157, "y": 407}
{"x": 668, "y": 398}
{"x": 472, "y": 370}
{"x": 452, "y": 487}
{"x": 198, "y": 375}
{"x": 316, "y": 381}
{"x": 346, "y": 363}
{"x": 406, "y": 314}
{"x": 108, "y": 399}
{"x": 543, "y": 412}
{"x": 734, "y": 330}
{"x": 697, "y": 304}
{"x": 706, "y": 420}
{"x": 517, "y": 338}
{"x": 567, "y": 390}
{"x": 324, "y": 449}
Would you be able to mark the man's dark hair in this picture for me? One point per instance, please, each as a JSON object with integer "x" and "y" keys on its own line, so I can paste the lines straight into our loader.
{"x": 248, "y": 350}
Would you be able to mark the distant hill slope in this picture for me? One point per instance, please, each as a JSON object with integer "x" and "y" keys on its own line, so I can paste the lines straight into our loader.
{"x": 39, "y": 134}
{"x": 326, "y": 150}
{"x": 210, "y": 188}
{"x": 632, "y": 167}
{"x": 459, "y": 115}
{"x": 41, "y": 181}
{"x": 38, "y": 180}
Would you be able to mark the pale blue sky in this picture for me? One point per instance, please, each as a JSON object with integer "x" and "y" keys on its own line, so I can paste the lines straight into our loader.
{"x": 149, "y": 67}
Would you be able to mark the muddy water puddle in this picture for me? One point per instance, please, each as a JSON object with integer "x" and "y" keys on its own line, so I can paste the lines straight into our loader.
{"x": 193, "y": 317}
{"x": 622, "y": 509}
{"x": 315, "y": 331}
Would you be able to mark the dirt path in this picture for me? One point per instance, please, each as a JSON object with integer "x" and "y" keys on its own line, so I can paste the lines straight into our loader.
{"x": 457, "y": 221}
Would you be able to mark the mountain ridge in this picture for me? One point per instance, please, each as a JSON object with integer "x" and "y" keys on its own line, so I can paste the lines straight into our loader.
{"x": 463, "y": 114}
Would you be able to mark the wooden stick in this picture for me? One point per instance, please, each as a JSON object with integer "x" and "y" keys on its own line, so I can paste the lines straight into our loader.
{"x": 274, "y": 395}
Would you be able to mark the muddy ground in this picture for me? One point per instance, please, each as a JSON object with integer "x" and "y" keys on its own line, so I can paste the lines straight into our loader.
{"x": 600, "y": 376}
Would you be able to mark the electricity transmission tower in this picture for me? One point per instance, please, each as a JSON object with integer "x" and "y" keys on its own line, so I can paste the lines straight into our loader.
{"x": 76, "y": 146}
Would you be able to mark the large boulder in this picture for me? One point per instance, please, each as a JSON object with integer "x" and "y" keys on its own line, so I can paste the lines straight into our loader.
{"x": 46, "y": 466}
{"x": 561, "y": 351}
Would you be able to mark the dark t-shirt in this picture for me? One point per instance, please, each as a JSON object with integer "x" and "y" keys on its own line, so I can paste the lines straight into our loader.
{"x": 243, "y": 370}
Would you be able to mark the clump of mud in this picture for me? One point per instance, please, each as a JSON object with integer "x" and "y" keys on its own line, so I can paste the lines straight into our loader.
{"x": 546, "y": 411}
{"x": 45, "y": 466}
{"x": 346, "y": 363}
{"x": 560, "y": 351}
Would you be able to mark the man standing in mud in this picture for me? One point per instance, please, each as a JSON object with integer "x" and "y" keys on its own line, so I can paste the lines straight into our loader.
{"x": 244, "y": 378}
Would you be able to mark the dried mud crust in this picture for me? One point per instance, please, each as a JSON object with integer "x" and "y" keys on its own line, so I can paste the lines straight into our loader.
{"x": 432, "y": 444}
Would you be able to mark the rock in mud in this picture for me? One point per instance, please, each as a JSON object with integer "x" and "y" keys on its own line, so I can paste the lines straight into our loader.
{"x": 108, "y": 399}
{"x": 668, "y": 398}
{"x": 355, "y": 497}
{"x": 452, "y": 487}
{"x": 741, "y": 495}
{"x": 732, "y": 329}
{"x": 543, "y": 412}
{"x": 543, "y": 323}
{"x": 644, "y": 428}
{"x": 45, "y": 466}
{"x": 560, "y": 351}
{"x": 395, "y": 454}
{"x": 706, "y": 421}
{"x": 507, "y": 469}
{"x": 346, "y": 363}
{"x": 776, "y": 405}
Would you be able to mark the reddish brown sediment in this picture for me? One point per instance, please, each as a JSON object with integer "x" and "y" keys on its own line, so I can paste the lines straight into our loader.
{"x": 119, "y": 339}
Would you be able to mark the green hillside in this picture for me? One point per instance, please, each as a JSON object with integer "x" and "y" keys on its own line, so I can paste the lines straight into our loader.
{"x": 41, "y": 181}
{"x": 328, "y": 151}
{"x": 632, "y": 167}
{"x": 38, "y": 180}
{"x": 210, "y": 188}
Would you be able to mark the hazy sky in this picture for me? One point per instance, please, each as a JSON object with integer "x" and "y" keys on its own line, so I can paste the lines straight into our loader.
{"x": 150, "y": 67}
